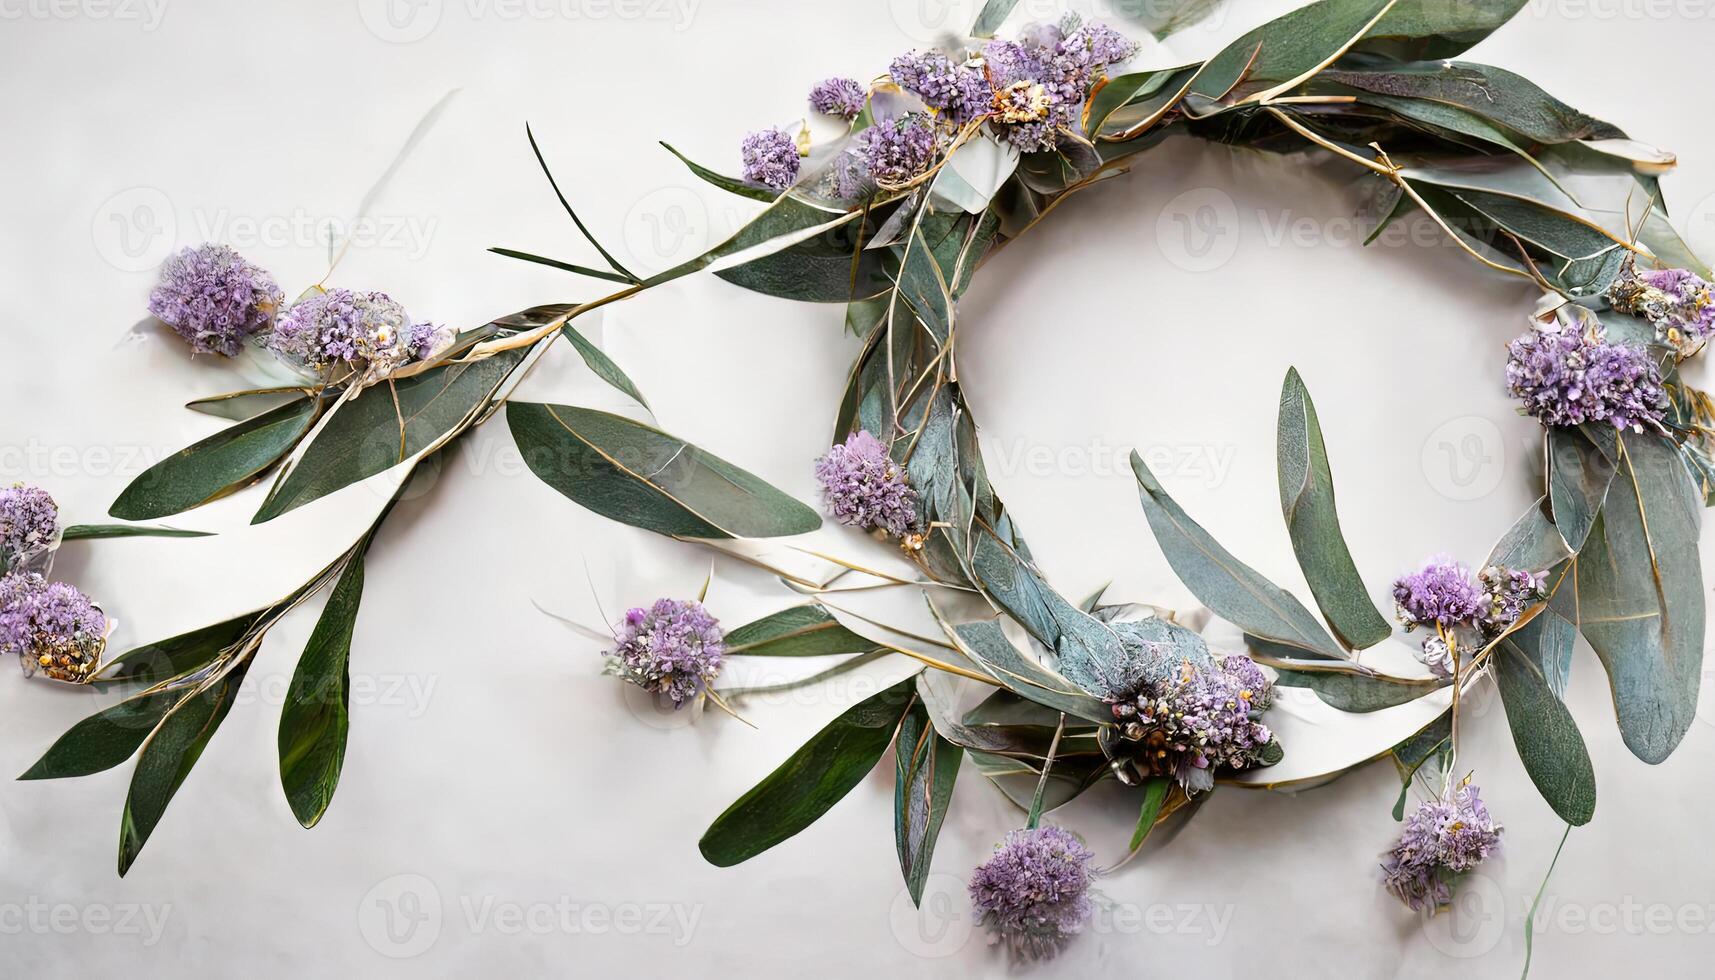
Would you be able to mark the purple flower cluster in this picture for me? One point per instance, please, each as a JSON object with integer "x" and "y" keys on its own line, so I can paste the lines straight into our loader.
{"x": 770, "y": 158}
{"x": 29, "y": 525}
{"x": 1033, "y": 893}
{"x": 672, "y": 649}
{"x": 895, "y": 150}
{"x": 1442, "y": 840}
{"x": 364, "y": 331}
{"x": 213, "y": 298}
{"x": 51, "y": 626}
{"x": 1443, "y": 596}
{"x": 1049, "y": 72}
{"x": 1677, "y": 302}
{"x": 1566, "y": 377}
{"x": 842, "y": 97}
{"x": 425, "y": 340}
{"x": 1193, "y": 718}
{"x": 862, "y": 486}
{"x": 961, "y": 92}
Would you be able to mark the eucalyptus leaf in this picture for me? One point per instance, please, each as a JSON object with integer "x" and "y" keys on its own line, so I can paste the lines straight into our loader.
{"x": 1543, "y": 730}
{"x": 987, "y": 646}
{"x": 1154, "y": 794}
{"x": 1307, "y": 501}
{"x": 91, "y": 532}
{"x": 1356, "y": 692}
{"x": 316, "y": 717}
{"x": 731, "y": 185}
{"x": 991, "y": 17}
{"x": 1286, "y": 49}
{"x": 178, "y": 655}
{"x": 1494, "y": 94}
{"x": 799, "y": 631}
{"x": 106, "y": 738}
{"x": 926, "y": 766}
{"x": 1579, "y": 474}
{"x": 603, "y": 366}
{"x": 643, "y": 477}
{"x": 225, "y": 462}
{"x": 1429, "y": 30}
{"x": 831, "y": 267}
{"x": 811, "y": 781}
{"x": 1232, "y": 589}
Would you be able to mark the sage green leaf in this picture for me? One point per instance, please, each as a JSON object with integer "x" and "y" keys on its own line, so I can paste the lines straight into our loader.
{"x": 1232, "y": 589}
{"x": 1548, "y": 741}
{"x": 1019, "y": 778}
{"x": 1004, "y": 708}
{"x": 104, "y": 739}
{"x": 582, "y": 270}
{"x": 1433, "y": 741}
{"x": 225, "y": 462}
{"x": 386, "y": 425}
{"x": 178, "y": 655}
{"x": 1139, "y": 103}
{"x": 1579, "y": 474}
{"x": 987, "y": 646}
{"x": 808, "y": 784}
{"x": 316, "y": 717}
{"x": 924, "y": 284}
{"x": 800, "y": 631}
{"x": 1640, "y": 595}
{"x": 1532, "y": 542}
{"x": 926, "y": 766}
{"x": 1154, "y": 794}
{"x": 1552, "y": 229}
{"x": 1123, "y": 90}
{"x": 167, "y": 758}
{"x": 1494, "y": 94}
{"x": 89, "y": 532}
{"x": 832, "y": 267}
{"x": 236, "y": 406}
{"x": 643, "y": 477}
{"x": 1348, "y": 691}
{"x": 1307, "y": 501}
{"x": 991, "y": 17}
{"x": 1286, "y": 49}
{"x": 783, "y": 223}
{"x": 1163, "y": 18}
{"x": 731, "y": 185}
{"x": 603, "y": 365}
{"x": 1430, "y": 30}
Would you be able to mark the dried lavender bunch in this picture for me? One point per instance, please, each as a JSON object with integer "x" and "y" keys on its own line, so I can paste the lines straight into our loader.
{"x": 1033, "y": 893}
{"x": 862, "y": 486}
{"x": 1677, "y": 302}
{"x": 673, "y": 649}
{"x": 1461, "y": 610}
{"x": 29, "y": 525}
{"x": 1566, "y": 376}
{"x": 50, "y": 626}
{"x": 1443, "y": 839}
{"x": 214, "y": 298}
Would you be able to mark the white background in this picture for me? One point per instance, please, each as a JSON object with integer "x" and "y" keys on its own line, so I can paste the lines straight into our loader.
{"x": 493, "y": 776}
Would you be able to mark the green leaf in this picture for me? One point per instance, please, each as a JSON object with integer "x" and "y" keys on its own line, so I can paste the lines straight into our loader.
{"x": 1154, "y": 794}
{"x": 225, "y": 462}
{"x": 90, "y": 532}
{"x": 104, "y": 739}
{"x": 1494, "y": 94}
{"x": 926, "y": 765}
{"x": 386, "y": 425}
{"x": 1543, "y": 730}
{"x": 800, "y": 631}
{"x": 316, "y": 716}
{"x": 808, "y": 784}
{"x": 236, "y": 406}
{"x": 178, "y": 655}
{"x": 167, "y": 758}
{"x": 1348, "y": 691}
{"x": 819, "y": 269}
{"x": 582, "y": 270}
{"x": 1124, "y": 90}
{"x": 782, "y": 224}
{"x": 603, "y": 365}
{"x": 643, "y": 477}
{"x": 1640, "y": 595}
{"x": 987, "y": 646}
{"x": 1429, "y": 30}
{"x": 611, "y": 261}
{"x": 1232, "y": 589}
{"x": 1285, "y": 49}
{"x": 1307, "y": 501}
{"x": 1579, "y": 473}
{"x": 924, "y": 284}
{"x": 731, "y": 185}
{"x": 991, "y": 17}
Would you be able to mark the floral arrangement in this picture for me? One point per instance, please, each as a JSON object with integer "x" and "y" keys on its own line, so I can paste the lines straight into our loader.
{"x": 951, "y": 155}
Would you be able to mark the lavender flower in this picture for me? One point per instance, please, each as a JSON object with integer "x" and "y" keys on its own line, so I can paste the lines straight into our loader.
{"x": 1677, "y": 302}
{"x": 213, "y": 298}
{"x": 29, "y": 524}
{"x": 673, "y": 649}
{"x": 770, "y": 158}
{"x": 53, "y": 627}
{"x": 1507, "y": 592}
{"x": 1042, "y": 80}
{"x": 1566, "y": 377}
{"x": 1442, "y": 840}
{"x": 840, "y": 97}
{"x": 862, "y": 486}
{"x": 1441, "y": 593}
{"x": 426, "y": 340}
{"x": 1033, "y": 893}
{"x": 896, "y": 150}
{"x": 1193, "y": 715}
{"x": 364, "y": 331}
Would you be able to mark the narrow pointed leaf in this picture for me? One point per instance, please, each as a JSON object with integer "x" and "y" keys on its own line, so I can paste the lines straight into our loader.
{"x": 927, "y": 766}
{"x": 603, "y": 366}
{"x": 91, "y": 532}
{"x": 225, "y": 462}
{"x": 1547, "y": 738}
{"x": 104, "y": 739}
{"x": 1154, "y": 794}
{"x": 731, "y": 185}
{"x": 316, "y": 717}
{"x": 801, "y": 631}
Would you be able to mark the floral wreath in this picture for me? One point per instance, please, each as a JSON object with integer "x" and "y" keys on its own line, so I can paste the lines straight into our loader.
{"x": 950, "y": 156}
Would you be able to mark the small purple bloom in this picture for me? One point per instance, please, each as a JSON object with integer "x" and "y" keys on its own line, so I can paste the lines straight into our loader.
{"x": 425, "y": 340}
{"x": 896, "y": 150}
{"x": 1442, "y": 840}
{"x": 672, "y": 649}
{"x": 961, "y": 92}
{"x": 1043, "y": 79}
{"x": 51, "y": 627}
{"x": 29, "y": 524}
{"x": 1194, "y": 714}
{"x": 770, "y": 158}
{"x": 1507, "y": 593}
{"x": 1677, "y": 302}
{"x": 1033, "y": 893}
{"x": 364, "y": 331}
{"x": 1441, "y": 593}
{"x": 1566, "y": 377}
{"x": 842, "y": 97}
{"x": 862, "y": 486}
{"x": 213, "y": 298}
